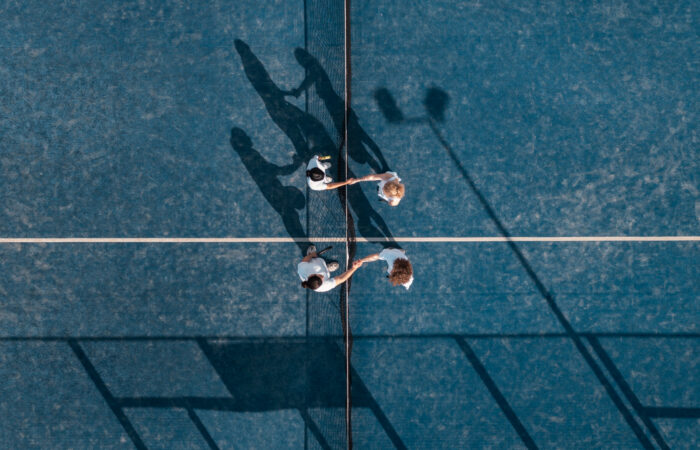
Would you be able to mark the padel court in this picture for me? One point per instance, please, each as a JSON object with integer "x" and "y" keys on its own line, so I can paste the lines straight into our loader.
{"x": 154, "y": 207}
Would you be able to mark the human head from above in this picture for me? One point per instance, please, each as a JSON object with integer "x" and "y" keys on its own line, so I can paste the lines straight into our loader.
{"x": 401, "y": 272}
{"x": 239, "y": 138}
{"x": 313, "y": 282}
{"x": 304, "y": 58}
{"x": 395, "y": 191}
{"x": 316, "y": 174}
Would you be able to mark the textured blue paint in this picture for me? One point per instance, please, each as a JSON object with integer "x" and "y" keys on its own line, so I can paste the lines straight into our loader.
{"x": 572, "y": 118}
{"x": 681, "y": 434}
{"x": 481, "y": 288}
{"x": 154, "y": 369}
{"x": 274, "y": 429}
{"x": 430, "y": 395}
{"x": 662, "y": 372}
{"x": 127, "y": 290}
{"x": 47, "y": 399}
{"x": 557, "y": 398}
{"x": 162, "y": 428}
{"x": 116, "y": 117}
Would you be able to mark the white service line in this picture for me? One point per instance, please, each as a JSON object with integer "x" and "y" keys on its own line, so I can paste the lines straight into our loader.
{"x": 444, "y": 239}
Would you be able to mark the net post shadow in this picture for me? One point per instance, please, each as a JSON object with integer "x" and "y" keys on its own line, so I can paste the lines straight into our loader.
{"x": 435, "y": 103}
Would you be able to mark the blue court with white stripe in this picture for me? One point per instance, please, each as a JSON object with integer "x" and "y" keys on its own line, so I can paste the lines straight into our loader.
{"x": 534, "y": 119}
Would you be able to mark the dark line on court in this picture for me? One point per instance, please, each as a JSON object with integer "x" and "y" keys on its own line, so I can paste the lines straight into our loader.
{"x": 210, "y": 404}
{"x": 207, "y": 403}
{"x": 563, "y": 321}
{"x": 646, "y": 335}
{"x": 102, "y": 388}
{"x": 666, "y": 412}
{"x": 355, "y": 336}
{"x": 625, "y": 388}
{"x": 496, "y": 394}
{"x": 202, "y": 429}
{"x": 378, "y": 412}
{"x": 311, "y": 425}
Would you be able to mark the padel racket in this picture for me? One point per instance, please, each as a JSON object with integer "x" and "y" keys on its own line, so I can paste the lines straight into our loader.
{"x": 320, "y": 252}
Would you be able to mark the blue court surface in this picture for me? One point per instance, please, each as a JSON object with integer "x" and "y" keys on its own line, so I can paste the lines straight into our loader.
{"x": 549, "y": 151}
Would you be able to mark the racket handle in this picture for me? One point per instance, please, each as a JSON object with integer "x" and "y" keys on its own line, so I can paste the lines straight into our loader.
{"x": 324, "y": 250}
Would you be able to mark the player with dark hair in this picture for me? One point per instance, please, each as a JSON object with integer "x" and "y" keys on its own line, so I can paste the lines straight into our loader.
{"x": 315, "y": 273}
{"x": 316, "y": 176}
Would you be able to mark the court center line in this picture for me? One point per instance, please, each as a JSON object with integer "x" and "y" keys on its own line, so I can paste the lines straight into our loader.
{"x": 245, "y": 240}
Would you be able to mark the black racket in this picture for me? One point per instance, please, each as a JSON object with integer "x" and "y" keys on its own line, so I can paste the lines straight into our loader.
{"x": 320, "y": 252}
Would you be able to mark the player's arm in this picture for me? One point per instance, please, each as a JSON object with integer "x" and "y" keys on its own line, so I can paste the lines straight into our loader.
{"x": 370, "y": 258}
{"x": 342, "y": 278}
{"x": 375, "y": 177}
{"x": 309, "y": 257}
{"x": 338, "y": 184}
{"x": 308, "y": 81}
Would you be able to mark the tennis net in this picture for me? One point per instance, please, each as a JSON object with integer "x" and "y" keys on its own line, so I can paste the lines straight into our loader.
{"x": 327, "y": 65}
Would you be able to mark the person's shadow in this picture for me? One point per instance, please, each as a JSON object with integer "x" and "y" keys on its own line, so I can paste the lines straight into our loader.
{"x": 286, "y": 200}
{"x": 310, "y": 137}
{"x": 317, "y": 76}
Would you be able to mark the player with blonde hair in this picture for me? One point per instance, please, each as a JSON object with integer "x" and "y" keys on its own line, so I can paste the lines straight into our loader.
{"x": 389, "y": 189}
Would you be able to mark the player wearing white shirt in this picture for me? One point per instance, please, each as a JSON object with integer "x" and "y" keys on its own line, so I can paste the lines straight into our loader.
{"x": 317, "y": 179}
{"x": 389, "y": 187}
{"x": 315, "y": 274}
{"x": 398, "y": 266}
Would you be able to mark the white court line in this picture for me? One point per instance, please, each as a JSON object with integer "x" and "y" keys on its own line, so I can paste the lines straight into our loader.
{"x": 245, "y": 240}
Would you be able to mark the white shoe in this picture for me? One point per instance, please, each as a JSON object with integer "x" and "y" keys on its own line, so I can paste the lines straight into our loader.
{"x": 311, "y": 249}
{"x": 333, "y": 266}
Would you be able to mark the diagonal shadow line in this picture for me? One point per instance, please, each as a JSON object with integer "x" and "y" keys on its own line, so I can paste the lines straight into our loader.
{"x": 102, "y": 388}
{"x": 333, "y": 338}
{"x": 202, "y": 429}
{"x": 378, "y": 412}
{"x": 561, "y": 318}
{"x": 222, "y": 337}
{"x": 206, "y": 403}
{"x": 627, "y": 390}
{"x": 672, "y": 412}
{"x": 496, "y": 394}
{"x": 311, "y": 425}
{"x": 185, "y": 402}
